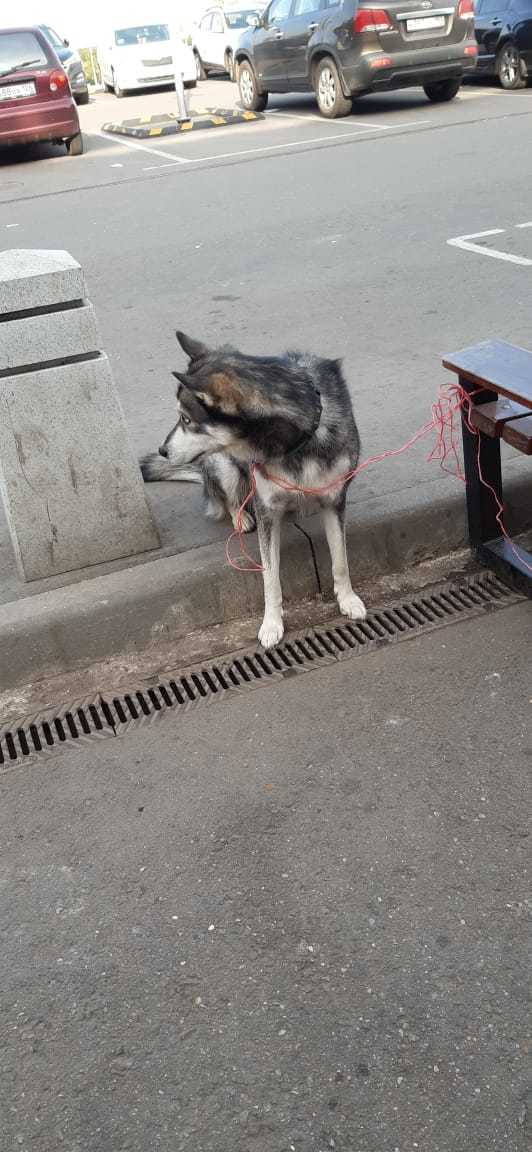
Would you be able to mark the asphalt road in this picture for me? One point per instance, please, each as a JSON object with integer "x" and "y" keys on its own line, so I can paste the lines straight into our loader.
{"x": 295, "y": 921}
{"x": 295, "y": 231}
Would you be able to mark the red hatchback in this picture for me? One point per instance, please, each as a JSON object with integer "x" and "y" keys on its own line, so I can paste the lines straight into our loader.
{"x": 35, "y": 98}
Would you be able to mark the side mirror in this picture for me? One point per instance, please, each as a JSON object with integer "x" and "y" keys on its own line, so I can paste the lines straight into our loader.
{"x": 66, "y": 43}
{"x": 253, "y": 21}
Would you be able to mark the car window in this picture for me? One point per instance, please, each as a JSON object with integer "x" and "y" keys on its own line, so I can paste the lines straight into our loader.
{"x": 303, "y": 6}
{"x": 141, "y": 34}
{"x": 493, "y": 7}
{"x": 279, "y": 10}
{"x": 217, "y": 23}
{"x": 54, "y": 38}
{"x": 18, "y": 48}
{"x": 206, "y": 22}
{"x": 236, "y": 20}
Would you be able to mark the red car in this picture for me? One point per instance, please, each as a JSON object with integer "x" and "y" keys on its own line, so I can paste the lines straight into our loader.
{"x": 35, "y": 98}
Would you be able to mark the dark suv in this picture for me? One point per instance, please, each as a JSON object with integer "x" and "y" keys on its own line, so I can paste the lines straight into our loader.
{"x": 504, "y": 33}
{"x": 341, "y": 50}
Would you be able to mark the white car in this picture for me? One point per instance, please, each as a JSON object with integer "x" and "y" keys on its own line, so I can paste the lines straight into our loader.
{"x": 217, "y": 36}
{"x": 142, "y": 56}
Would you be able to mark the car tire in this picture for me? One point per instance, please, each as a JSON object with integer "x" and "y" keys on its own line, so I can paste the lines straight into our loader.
{"x": 108, "y": 87}
{"x": 200, "y": 69}
{"x": 118, "y": 91}
{"x": 250, "y": 97}
{"x": 229, "y": 64}
{"x": 329, "y": 95}
{"x": 74, "y": 146}
{"x": 83, "y": 98}
{"x": 441, "y": 91}
{"x": 510, "y": 69}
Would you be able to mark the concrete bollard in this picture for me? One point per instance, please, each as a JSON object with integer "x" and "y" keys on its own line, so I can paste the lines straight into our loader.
{"x": 71, "y": 486}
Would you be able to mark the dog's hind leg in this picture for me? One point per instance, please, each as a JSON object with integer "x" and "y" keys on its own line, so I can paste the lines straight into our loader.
{"x": 269, "y": 530}
{"x": 334, "y": 523}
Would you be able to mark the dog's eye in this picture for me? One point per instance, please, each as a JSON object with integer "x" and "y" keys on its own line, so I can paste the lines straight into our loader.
{"x": 185, "y": 419}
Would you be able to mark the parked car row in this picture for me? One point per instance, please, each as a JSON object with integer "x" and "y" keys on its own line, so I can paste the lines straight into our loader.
{"x": 341, "y": 49}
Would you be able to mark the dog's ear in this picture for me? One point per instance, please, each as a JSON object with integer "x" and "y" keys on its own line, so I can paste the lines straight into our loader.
{"x": 193, "y": 348}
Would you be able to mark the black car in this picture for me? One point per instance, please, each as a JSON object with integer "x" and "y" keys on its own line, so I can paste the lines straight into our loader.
{"x": 504, "y": 32}
{"x": 343, "y": 49}
{"x": 71, "y": 63}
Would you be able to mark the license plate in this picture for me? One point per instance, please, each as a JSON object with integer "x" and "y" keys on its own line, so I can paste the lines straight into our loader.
{"x": 17, "y": 91}
{"x": 425, "y": 23}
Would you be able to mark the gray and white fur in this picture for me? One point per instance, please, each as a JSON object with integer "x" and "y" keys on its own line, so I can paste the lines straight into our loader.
{"x": 292, "y": 417}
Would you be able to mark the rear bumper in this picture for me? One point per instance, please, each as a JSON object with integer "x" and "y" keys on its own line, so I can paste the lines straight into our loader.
{"x": 51, "y": 120}
{"x": 410, "y": 69}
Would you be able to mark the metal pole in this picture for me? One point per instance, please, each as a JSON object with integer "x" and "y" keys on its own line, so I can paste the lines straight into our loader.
{"x": 182, "y": 110}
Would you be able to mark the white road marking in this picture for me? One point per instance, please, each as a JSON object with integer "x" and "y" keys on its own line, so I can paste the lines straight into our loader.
{"x": 12, "y": 225}
{"x": 465, "y": 242}
{"x": 527, "y": 225}
{"x": 266, "y": 148}
{"x": 117, "y": 165}
{"x": 127, "y": 143}
{"x": 347, "y": 123}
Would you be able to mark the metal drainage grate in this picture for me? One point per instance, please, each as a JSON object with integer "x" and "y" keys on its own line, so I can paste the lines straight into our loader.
{"x": 112, "y": 715}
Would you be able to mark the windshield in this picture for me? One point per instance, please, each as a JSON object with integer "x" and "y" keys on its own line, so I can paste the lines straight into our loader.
{"x": 143, "y": 34}
{"x": 239, "y": 19}
{"x": 19, "y": 49}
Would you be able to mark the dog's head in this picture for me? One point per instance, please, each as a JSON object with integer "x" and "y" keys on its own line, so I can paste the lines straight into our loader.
{"x": 254, "y": 407}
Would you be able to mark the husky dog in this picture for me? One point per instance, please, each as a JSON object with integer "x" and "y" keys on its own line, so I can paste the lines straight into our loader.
{"x": 291, "y": 417}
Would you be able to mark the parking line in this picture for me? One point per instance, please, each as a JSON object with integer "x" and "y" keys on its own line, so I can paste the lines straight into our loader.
{"x": 254, "y": 151}
{"x": 141, "y": 148}
{"x": 527, "y": 225}
{"x": 347, "y": 123}
{"x": 465, "y": 243}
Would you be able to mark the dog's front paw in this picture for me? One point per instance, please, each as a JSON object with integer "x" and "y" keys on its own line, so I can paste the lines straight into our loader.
{"x": 271, "y": 631}
{"x": 352, "y": 606}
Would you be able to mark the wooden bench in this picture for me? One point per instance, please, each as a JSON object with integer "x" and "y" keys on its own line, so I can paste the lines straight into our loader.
{"x": 499, "y": 377}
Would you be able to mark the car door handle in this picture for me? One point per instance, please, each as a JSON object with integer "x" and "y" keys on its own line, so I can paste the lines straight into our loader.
{"x": 312, "y": 27}
{"x": 496, "y": 23}
{"x": 278, "y": 34}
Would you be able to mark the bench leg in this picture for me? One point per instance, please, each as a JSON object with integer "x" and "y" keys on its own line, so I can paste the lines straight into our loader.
{"x": 481, "y": 506}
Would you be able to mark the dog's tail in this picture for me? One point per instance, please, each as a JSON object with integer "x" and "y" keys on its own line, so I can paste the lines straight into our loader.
{"x": 155, "y": 467}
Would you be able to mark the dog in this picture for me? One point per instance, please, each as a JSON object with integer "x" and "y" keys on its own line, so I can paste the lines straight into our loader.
{"x": 290, "y": 417}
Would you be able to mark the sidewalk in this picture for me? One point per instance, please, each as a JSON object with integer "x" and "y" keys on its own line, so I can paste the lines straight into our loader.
{"x": 129, "y": 612}
{"x": 223, "y": 933}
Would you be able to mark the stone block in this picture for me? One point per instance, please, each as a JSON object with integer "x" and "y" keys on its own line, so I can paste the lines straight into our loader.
{"x": 72, "y": 489}
{"x": 47, "y": 336}
{"x": 31, "y": 278}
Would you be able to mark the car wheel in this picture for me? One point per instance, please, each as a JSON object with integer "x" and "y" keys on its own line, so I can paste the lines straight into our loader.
{"x": 82, "y": 98}
{"x": 251, "y": 99}
{"x": 108, "y": 87}
{"x": 442, "y": 90}
{"x": 200, "y": 70}
{"x": 510, "y": 68}
{"x": 74, "y": 146}
{"x": 230, "y": 66}
{"x": 331, "y": 100}
{"x": 118, "y": 91}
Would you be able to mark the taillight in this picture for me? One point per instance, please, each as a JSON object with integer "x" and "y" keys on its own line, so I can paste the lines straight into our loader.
{"x": 58, "y": 81}
{"x": 466, "y": 9}
{"x": 372, "y": 20}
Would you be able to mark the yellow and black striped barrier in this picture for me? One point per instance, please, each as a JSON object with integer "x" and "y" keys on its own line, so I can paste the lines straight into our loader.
{"x": 143, "y": 127}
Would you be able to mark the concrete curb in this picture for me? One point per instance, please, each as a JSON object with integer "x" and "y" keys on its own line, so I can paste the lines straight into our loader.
{"x": 144, "y": 127}
{"x": 136, "y": 610}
